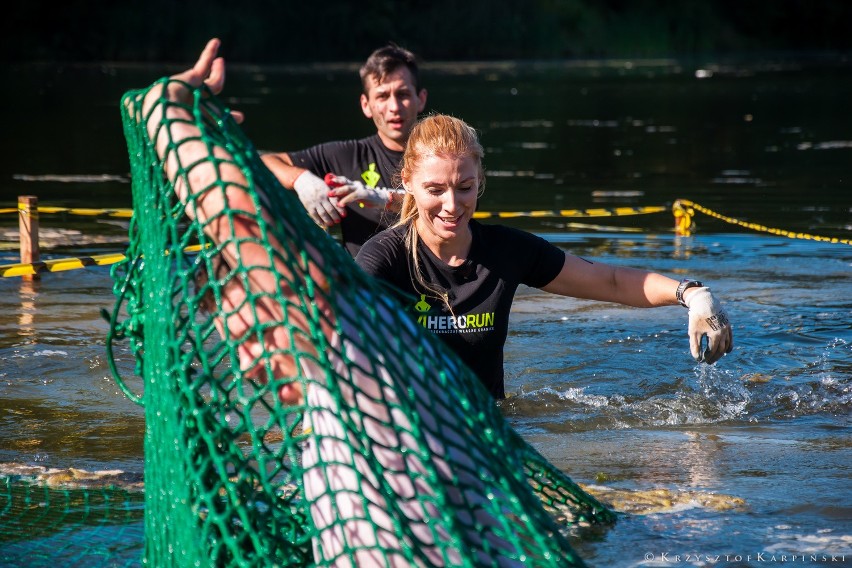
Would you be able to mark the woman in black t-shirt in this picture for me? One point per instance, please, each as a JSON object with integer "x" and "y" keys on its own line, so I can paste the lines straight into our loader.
{"x": 462, "y": 275}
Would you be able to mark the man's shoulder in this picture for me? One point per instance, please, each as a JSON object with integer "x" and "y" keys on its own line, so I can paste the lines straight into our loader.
{"x": 334, "y": 151}
{"x": 336, "y": 145}
{"x": 374, "y": 144}
{"x": 369, "y": 144}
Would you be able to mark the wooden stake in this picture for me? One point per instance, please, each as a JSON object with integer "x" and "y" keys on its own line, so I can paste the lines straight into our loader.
{"x": 28, "y": 224}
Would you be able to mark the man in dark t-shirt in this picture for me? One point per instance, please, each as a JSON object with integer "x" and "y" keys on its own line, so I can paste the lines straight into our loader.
{"x": 364, "y": 202}
{"x": 367, "y": 159}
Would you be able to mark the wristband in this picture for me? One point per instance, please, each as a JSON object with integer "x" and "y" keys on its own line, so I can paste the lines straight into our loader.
{"x": 681, "y": 288}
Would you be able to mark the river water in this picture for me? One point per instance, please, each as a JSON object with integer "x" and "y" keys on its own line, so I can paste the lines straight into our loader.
{"x": 745, "y": 463}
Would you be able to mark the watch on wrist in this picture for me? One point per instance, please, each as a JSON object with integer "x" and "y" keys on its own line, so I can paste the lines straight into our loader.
{"x": 681, "y": 288}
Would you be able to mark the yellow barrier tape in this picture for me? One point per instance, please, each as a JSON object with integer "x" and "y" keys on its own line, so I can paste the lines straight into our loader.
{"x": 616, "y": 212}
{"x": 682, "y": 210}
{"x": 62, "y": 264}
{"x": 683, "y": 214}
{"x": 756, "y": 226}
{"x": 76, "y": 211}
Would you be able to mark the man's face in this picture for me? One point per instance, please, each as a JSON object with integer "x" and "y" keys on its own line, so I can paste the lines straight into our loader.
{"x": 393, "y": 104}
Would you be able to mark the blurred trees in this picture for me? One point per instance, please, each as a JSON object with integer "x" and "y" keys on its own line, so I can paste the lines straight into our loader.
{"x": 284, "y": 31}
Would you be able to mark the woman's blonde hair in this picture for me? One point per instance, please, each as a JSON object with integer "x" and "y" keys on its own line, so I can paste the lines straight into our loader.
{"x": 435, "y": 135}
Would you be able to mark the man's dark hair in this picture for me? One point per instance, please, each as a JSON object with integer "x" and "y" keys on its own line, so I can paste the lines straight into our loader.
{"x": 386, "y": 60}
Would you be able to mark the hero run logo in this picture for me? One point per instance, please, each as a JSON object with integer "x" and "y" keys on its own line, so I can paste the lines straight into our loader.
{"x": 466, "y": 323}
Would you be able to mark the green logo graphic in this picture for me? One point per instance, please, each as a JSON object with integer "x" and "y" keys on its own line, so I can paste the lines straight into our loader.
{"x": 371, "y": 177}
{"x": 422, "y": 306}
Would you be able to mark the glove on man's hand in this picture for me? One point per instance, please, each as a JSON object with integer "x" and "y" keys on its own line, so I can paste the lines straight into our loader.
{"x": 348, "y": 192}
{"x": 313, "y": 193}
{"x": 707, "y": 318}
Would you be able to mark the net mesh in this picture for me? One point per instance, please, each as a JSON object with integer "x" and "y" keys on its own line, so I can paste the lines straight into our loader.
{"x": 62, "y": 521}
{"x": 295, "y": 413}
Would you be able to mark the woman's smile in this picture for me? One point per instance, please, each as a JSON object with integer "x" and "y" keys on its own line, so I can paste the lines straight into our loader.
{"x": 445, "y": 189}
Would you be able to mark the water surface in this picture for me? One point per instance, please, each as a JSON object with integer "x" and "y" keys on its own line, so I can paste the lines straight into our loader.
{"x": 711, "y": 466}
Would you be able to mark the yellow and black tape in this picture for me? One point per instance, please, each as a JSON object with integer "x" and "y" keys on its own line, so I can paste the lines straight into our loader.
{"x": 600, "y": 212}
{"x": 62, "y": 264}
{"x": 616, "y": 212}
{"x": 681, "y": 209}
{"x": 76, "y": 211}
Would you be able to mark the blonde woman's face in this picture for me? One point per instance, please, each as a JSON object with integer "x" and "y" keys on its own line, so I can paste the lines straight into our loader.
{"x": 444, "y": 189}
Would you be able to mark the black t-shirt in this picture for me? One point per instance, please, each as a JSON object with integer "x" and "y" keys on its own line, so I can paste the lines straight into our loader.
{"x": 480, "y": 291}
{"x": 367, "y": 160}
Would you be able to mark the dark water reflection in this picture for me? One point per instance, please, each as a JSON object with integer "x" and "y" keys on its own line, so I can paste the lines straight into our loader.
{"x": 760, "y": 142}
{"x": 607, "y": 393}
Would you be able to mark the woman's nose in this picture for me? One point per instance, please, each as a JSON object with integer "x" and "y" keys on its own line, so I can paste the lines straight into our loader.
{"x": 449, "y": 200}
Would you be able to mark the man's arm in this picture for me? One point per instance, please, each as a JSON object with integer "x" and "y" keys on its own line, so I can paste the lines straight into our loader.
{"x": 312, "y": 191}
{"x": 281, "y": 165}
{"x": 349, "y": 192}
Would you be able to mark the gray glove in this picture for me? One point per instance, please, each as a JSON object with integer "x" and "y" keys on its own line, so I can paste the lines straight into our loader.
{"x": 313, "y": 193}
{"x": 348, "y": 192}
{"x": 708, "y": 319}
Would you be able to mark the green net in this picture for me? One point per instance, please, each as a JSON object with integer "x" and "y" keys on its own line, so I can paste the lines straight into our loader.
{"x": 295, "y": 413}
{"x": 68, "y": 518}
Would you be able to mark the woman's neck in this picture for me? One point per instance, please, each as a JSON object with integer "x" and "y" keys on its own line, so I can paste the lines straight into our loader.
{"x": 452, "y": 251}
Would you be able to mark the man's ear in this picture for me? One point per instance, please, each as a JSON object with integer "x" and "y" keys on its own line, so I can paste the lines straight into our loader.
{"x": 365, "y": 106}
{"x": 421, "y": 97}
